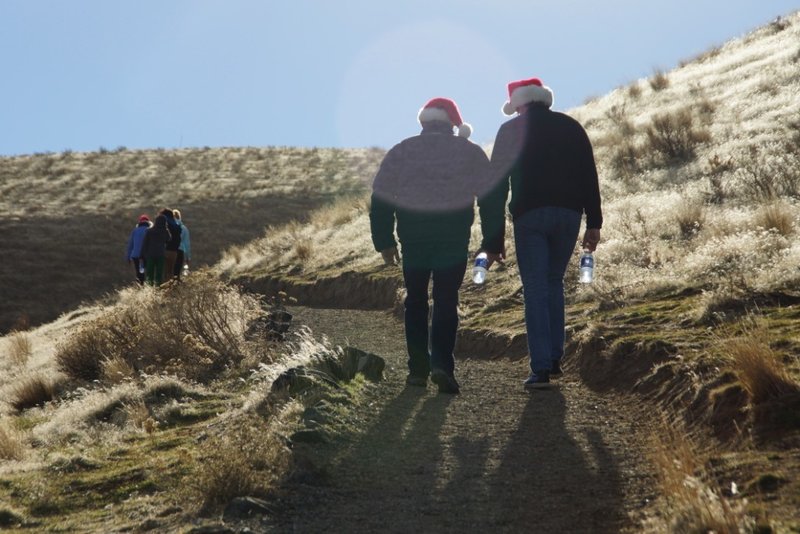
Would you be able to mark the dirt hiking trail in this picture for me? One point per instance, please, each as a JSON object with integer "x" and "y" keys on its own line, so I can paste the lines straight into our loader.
{"x": 493, "y": 459}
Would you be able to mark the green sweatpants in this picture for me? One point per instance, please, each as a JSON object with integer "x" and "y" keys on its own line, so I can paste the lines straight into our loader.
{"x": 154, "y": 271}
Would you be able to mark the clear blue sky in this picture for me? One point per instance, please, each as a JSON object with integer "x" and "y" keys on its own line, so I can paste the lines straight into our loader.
{"x": 83, "y": 74}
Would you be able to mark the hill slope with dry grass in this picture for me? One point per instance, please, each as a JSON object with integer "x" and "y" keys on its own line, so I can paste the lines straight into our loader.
{"x": 65, "y": 218}
{"x": 158, "y": 407}
{"x": 695, "y": 307}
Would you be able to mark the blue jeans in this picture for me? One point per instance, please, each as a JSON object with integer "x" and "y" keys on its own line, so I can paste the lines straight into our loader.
{"x": 447, "y": 268}
{"x": 545, "y": 239}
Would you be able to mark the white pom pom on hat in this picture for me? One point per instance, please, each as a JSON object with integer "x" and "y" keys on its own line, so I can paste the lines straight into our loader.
{"x": 445, "y": 110}
{"x": 522, "y": 92}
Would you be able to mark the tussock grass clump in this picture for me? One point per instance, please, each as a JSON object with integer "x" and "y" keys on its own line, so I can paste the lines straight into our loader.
{"x": 33, "y": 391}
{"x": 758, "y": 367}
{"x": 193, "y": 330}
{"x": 659, "y": 80}
{"x": 244, "y": 460}
{"x": 10, "y": 444}
{"x": 673, "y": 137}
{"x": 690, "y": 217}
{"x": 777, "y": 216}
{"x": 20, "y": 349}
{"x": 693, "y": 503}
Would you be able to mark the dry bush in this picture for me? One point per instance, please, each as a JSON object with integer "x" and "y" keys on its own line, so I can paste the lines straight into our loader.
{"x": 693, "y": 504}
{"x": 20, "y": 348}
{"x": 659, "y": 81}
{"x": 768, "y": 176}
{"x": 673, "y": 138}
{"x": 10, "y": 444}
{"x": 244, "y": 460}
{"x": 778, "y": 216}
{"x": 690, "y": 217}
{"x": 303, "y": 250}
{"x": 194, "y": 330}
{"x": 33, "y": 391}
{"x": 717, "y": 168}
{"x": 634, "y": 90}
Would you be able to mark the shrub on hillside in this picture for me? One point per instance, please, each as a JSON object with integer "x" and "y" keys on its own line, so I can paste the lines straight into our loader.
{"x": 194, "y": 329}
{"x": 766, "y": 175}
{"x": 659, "y": 81}
{"x": 690, "y": 217}
{"x": 673, "y": 138}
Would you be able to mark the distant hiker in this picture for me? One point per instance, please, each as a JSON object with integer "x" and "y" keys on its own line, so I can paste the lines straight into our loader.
{"x": 173, "y": 245}
{"x": 134, "y": 252}
{"x": 185, "y": 249}
{"x": 548, "y": 158}
{"x": 428, "y": 183}
{"x": 154, "y": 250}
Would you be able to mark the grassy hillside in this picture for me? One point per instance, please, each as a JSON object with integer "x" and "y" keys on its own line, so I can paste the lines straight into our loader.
{"x": 65, "y": 218}
{"x": 695, "y": 307}
{"x": 151, "y": 409}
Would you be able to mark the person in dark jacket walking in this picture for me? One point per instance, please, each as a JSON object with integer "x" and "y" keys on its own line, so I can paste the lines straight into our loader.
{"x": 428, "y": 184}
{"x": 547, "y": 159}
{"x": 185, "y": 249}
{"x": 154, "y": 249}
{"x": 134, "y": 251}
{"x": 171, "y": 254}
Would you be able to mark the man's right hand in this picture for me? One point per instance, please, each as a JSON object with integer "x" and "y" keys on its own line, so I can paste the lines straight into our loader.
{"x": 390, "y": 256}
{"x": 493, "y": 257}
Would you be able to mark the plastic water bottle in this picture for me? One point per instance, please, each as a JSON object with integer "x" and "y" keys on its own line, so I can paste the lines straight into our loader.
{"x": 587, "y": 267}
{"x": 141, "y": 266}
{"x": 185, "y": 270}
{"x": 481, "y": 266}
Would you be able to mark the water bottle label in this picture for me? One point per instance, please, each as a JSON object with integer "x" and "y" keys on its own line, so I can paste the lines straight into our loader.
{"x": 587, "y": 261}
{"x": 482, "y": 262}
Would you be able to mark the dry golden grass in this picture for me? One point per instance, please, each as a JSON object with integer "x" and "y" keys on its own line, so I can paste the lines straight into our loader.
{"x": 32, "y": 391}
{"x": 693, "y": 503}
{"x": 20, "y": 349}
{"x": 11, "y": 447}
{"x": 246, "y": 459}
{"x": 194, "y": 330}
{"x": 115, "y": 369}
{"x": 778, "y": 216}
{"x": 757, "y": 365}
{"x": 659, "y": 81}
{"x": 690, "y": 218}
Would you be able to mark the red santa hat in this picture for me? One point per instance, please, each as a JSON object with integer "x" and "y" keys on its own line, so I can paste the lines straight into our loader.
{"x": 446, "y": 110}
{"x": 524, "y": 92}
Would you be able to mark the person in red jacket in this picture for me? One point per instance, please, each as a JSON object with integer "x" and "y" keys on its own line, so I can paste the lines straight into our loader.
{"x": 428, "y": 184}
{"x": 546, "y": 158}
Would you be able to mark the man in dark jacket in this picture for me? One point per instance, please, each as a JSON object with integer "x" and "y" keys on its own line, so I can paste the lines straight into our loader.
{"x": 548, "y": 159}
{"x": 174, "y": 243}
{"x": 153, "y": 250}
{"x": 428, "y": 184}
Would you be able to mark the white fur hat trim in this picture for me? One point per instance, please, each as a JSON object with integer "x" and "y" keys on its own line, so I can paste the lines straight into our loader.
{"x": 527, "y": 94}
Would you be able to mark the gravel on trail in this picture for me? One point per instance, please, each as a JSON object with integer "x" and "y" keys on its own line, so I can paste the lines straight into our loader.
{"x": 493, "y": 459}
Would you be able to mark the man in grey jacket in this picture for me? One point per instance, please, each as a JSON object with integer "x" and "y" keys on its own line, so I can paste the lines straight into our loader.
{"x": 428, "y": 184}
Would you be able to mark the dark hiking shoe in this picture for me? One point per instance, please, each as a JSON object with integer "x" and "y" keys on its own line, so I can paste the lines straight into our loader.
{"x": 417, "y": 381}
{"x": 555, "y": 369}
{"x": 537, "y": 380}
{"x": 447, "y": 383}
